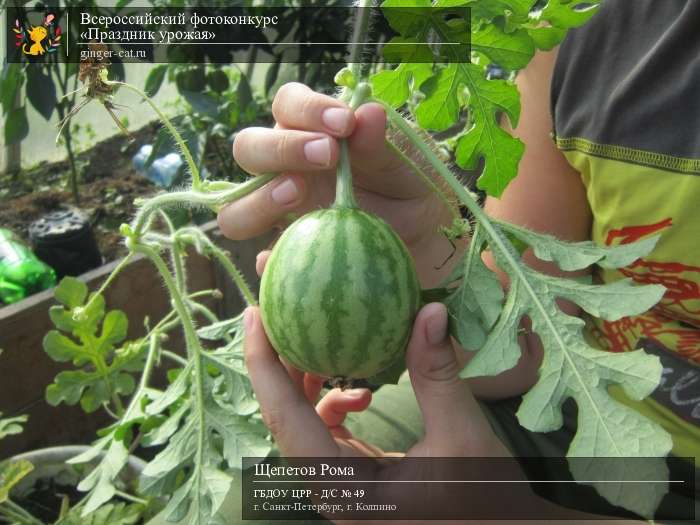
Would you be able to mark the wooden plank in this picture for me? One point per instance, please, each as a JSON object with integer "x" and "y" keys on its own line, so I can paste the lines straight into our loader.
{"x": 25, "y": 370}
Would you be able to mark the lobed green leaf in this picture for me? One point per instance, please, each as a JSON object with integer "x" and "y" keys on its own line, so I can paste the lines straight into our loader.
{"x": 10, "y": 426}
{"x": 571, "y": 368}
{"x": 512, "y": 51}
{"x": 71, "y": 292}
{"x": 11, "y": 473}
{"x": 475, "y": 305}
{"x": 89, "y": 336}
{"x": 580, "y": 255}
{"x": 110, "y": 514}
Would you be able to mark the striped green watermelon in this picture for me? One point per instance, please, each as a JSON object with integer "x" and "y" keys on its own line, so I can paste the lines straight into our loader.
{"x": 339, "y": 294}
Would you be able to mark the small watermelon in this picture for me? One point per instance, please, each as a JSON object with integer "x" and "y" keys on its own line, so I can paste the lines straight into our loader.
{"x": 339, "y": 294}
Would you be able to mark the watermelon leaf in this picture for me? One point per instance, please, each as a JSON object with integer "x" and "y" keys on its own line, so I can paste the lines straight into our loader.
{"x": 225, "y": 416}
{"x": 110, "y": 514}
{"x": 94, "y": 341}
{"x": 475, "y": 305}
{"x": 229, "y": 416}
{"x": 571, "y": 368}
{"x": 457, "y": 93}
{"x": 10, "y": 426}
{"x": 228, "y": 437}
{"x": 11, "y": 473}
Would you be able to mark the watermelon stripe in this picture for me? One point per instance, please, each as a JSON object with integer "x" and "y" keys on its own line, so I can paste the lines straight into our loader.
{"x": 406, "y": 287}
{"x": 364, "y": 328}
{"x": 329, "y": 302}
{"x": 376, "y": 271}
{"x": 282, "y": 332}
{"x": 274, "y": 332}
{"x": 299, "y": 331}
{"x": 410, "y": 300}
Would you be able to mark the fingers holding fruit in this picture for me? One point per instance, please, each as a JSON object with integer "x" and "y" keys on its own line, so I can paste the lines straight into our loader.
{"x": 264, "y": 209}
{"x": 334, "y": 407}
{"x": 298, "y": 428}
{"x": 297, "y": 106}
{"x": 261, "y": 261}
{"x": 454, "y": 422}
{"x": 304, "y": 147}
{"x": 290, "y": 417}
{"x": 265, "y": 150}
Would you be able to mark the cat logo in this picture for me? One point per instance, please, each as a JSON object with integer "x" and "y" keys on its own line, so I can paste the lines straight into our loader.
{"x": 36, "y": 40}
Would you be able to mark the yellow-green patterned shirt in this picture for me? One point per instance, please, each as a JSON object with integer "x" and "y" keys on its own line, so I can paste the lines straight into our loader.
{"x": 626, "y": 107}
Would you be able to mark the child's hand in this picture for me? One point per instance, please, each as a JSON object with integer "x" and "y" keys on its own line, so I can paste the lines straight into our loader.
{"x": 454, "y": 423}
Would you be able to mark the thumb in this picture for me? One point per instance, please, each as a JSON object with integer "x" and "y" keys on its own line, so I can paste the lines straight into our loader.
{"x": 454, "y": 422}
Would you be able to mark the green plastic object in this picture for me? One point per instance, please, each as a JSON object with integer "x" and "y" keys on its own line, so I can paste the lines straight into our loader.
{"x": 21, "y": 272}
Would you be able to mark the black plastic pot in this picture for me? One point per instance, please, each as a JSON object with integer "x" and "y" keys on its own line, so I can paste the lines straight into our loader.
{"x": 64, "y": 240}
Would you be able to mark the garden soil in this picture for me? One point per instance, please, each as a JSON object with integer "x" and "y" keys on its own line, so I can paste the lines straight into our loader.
{"x": 108, "y": 186}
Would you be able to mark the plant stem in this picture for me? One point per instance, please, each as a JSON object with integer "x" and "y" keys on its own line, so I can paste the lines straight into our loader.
{"x": 196, "y": 181}
{"x": 236, "y": 275}
{"x": 173, "y": 357}
{"x": 194, "y": 197}
{"x": 73, "y": 169}
{"x": 344, "y": 194}
{"x": 496, "y": 239}
{"x": 175, "y": 257}
{"x": 460, "y": 191}
{"x": 21, "y": 513}
{"x": 118, "y": 405}
{"x": 206, "y": 312}
{"x": 9, "y": 516}
{"x": 359, "y": 34}
{"x": 117, "y": 269}
{"x": 178, "y": 268}
{"x": 194, "y": 349}
{"x": 129, "y": 497}
{"x": 170, "y": 321}
{"x": 195, "y": 236}
{"x": 190, "y": 234}
{"x": 426, "y": 179}
{"x": 109, "y": 411}
{"x": 153, "y": 346}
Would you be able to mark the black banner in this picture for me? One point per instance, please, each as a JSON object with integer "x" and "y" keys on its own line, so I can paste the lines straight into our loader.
{"x": 467, "y": 488}
{"x": 237, "y": 34}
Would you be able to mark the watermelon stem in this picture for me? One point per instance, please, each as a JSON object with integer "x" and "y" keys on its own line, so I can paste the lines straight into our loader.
{"x": 193, "y": 346}
{"x": 182, "y": 145}
{"x": 359, "y": 34}
{"x": 344, "y": 194}
{"x": 192, "y": 197}
{"x": 416, "y": 169}
{"x": 498, "y": 242}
